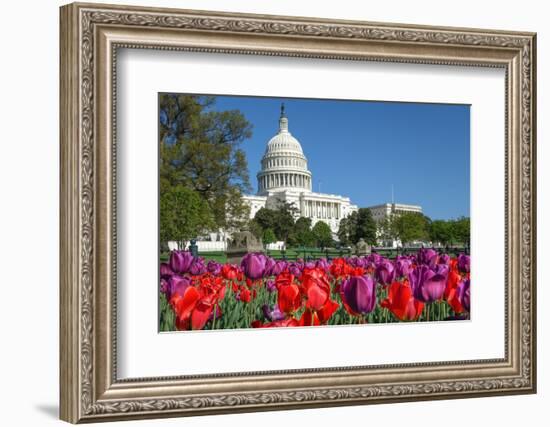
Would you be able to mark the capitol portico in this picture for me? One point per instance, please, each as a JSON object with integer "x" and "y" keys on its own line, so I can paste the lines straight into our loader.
{"x": 285, "y": 177}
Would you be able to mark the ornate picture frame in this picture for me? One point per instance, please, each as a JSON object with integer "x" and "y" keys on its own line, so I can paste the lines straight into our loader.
{"x": 90, "y": 37}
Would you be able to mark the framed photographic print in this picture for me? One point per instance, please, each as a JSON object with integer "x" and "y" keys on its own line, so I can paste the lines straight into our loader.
{"x": 265, "y": 212}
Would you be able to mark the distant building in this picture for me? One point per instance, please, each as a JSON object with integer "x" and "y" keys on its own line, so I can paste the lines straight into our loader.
{"x": 285, "y": 177}
{"x": 383, "y": 211}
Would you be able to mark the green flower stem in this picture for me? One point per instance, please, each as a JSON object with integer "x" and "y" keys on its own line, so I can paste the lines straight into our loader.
{"x": 214, "y": 319}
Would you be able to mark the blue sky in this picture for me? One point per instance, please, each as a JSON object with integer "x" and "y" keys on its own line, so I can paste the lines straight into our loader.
{"x": 359, "y": 149}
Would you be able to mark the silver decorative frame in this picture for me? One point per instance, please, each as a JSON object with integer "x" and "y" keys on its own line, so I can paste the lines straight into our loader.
{"x": 90, "y": 36}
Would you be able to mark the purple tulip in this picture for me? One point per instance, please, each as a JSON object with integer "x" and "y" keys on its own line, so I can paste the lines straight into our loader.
{"x": 253, "y": 265}
{"x": 177, "y": 285}
{"x": 309, "y": 264}
{"x": 278, "y": 268}
{"x": 385, "y": 272}
{"x": 359, "y": 294}
{"x": 463, "y": 263}
{"x": 428, "y": 285}
{"x": 272, "y": 314}
{"x": 372, "y": 260}
{"x": 352, "y": 261}
{"x": 270, "y": 286}
{"x": 165, "y": 271}
{"x": 214, "y": 267}
{"x": 464, "y": 294}
{"x": 197, "y": 267}
{"x": 270, "y": 263}
{"x": 403, "y": 266}
{"x": 322, "y": 264}
{"x": 444, "y": 259}
{"x": 427, "y": 257}
{"x": 295, "y": 269}
{"x": 180, "y": 261}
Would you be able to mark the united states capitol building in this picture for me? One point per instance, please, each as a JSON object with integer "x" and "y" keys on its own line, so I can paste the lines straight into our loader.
{"x": 285, "y": 177}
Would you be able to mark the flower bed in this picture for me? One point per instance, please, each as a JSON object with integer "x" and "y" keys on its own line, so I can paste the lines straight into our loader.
{"x": 263, "y": 292}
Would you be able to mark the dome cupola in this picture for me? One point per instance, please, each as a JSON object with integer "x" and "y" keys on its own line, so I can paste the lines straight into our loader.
{"x": 284, "y": 166}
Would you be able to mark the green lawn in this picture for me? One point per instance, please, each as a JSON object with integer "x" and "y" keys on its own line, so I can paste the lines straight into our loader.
{"x": 216, "y": 256}
{"x": 290, "y": 254}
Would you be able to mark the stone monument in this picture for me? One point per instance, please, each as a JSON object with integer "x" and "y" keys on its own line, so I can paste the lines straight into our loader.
{"x": 362, "y": 248}
{"x": 242, "y": 243}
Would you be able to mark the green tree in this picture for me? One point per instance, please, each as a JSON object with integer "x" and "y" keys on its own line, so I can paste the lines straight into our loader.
{"x": 387, "y": 229}
{"x": 461, "y": 230}
{"x": 365, "y": 227}
{"x": 302, "y": 234}
{"x": 268, "y": 236}
{"x": 323, "y": 234}
{"x": 265, "y": 219}
{"x": 284, "y": 226}
{"x": 183, "y": 215}
{"x": 411, "y": 226}
{"x": 254, "y": 228}
{"x": 200, "y": 149}
{"x": 347, "y": 229}
{"x": 280, "y": 220}
{"x": 442, "y": 231}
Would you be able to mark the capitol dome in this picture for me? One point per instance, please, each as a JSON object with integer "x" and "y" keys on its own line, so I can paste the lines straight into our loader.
{"x": 284, "y": 166}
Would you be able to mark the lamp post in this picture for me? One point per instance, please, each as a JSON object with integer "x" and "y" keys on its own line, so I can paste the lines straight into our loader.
{"x": 193, "y": 248}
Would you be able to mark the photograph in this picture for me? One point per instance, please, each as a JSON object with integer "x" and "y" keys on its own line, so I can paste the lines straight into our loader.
{"x": 288, "y": 212}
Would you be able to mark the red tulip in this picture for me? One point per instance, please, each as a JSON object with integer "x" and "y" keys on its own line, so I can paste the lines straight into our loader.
{"x": 321, "y": 316}
{"x": 289, "y": 298}
{"x": 451, "y": 294}
{"x": 316, "y": 287}
{"x": 191, "y": 311}
{"x": 401, "y": 302}
{"x": 244, "y": 294}
{"x": 340, "y": 268}
{"x": 229, "y": 271}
